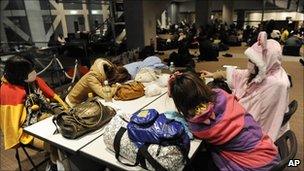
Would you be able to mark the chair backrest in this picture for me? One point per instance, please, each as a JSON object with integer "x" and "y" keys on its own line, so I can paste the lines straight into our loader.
{"x": 292, "y": 107}
{"x": 287, "y": 150}
{"x": 290, "y": 79}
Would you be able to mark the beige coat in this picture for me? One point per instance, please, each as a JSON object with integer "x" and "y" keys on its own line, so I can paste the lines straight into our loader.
{"x": 92, "y": 82}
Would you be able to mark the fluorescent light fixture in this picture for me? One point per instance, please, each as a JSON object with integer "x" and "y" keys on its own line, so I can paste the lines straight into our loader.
{"x": 73, "y": 12}
{"x": 94, "y": 11}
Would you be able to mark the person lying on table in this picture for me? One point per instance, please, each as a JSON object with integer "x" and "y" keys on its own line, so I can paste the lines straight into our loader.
{"x": 19, "y": 91}
{"x": 263, "y": 87}
{"x": 235, "y": 140}
{"x": 92, "y": 82}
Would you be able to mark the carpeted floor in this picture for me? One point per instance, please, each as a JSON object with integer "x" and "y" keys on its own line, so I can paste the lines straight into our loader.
{"x": 291, "y": 65}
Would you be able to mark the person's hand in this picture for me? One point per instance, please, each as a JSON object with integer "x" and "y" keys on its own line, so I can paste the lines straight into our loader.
{"x": 114, "y": 89}
{"x": 206, "y": 74}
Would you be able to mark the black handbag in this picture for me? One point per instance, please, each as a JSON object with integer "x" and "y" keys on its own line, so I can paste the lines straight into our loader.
{"x": 83, "y": 118}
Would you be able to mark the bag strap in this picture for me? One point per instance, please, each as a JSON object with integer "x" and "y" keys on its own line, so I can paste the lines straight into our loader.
{"x": 117, "y": 140}
{"x": 91, "y": 125}
{"x": 143, "y": 151}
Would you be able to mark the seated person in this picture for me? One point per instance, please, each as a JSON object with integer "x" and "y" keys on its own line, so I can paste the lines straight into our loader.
{"x": 93, "y": 81}
{"x": 292, "y": 45}
{"x": 257, "y": 87}
{"x": 235, "y": 140}
{"x": 207, "y": 51}
{"x": 61, "y": 39}
{"x": 182, "y": 59}
{"x": 18, "y": 84}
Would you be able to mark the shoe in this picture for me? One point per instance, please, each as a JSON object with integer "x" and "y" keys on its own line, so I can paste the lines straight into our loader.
{"x": 301, "y": 61}
{"x": 227, "y": 55}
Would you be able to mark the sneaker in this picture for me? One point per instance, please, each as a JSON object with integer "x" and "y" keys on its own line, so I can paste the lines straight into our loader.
{"x": 227, "y": 55}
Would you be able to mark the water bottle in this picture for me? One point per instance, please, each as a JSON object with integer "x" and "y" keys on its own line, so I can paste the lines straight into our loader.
{"x": 107, "y": 92}
{"x": 171, "y": 67}
{"x": 90, "y": 96}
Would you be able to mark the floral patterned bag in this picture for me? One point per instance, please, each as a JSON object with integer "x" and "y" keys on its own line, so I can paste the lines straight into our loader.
{"x": 169, "y": 157}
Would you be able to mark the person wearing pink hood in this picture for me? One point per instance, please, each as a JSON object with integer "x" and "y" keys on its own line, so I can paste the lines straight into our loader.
{"x": 262, "y": 88}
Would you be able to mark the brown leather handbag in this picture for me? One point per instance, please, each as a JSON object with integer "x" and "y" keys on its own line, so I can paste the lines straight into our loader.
{"x": 129, "y": 91}
{"x": 83, "y": 118}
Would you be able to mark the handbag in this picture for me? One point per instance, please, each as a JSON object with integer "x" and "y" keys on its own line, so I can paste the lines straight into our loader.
{"x": 129, "y": 91}
{"x": 83, "y": 118}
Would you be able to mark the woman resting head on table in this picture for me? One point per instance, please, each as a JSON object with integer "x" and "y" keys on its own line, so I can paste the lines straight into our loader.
{"x": 236, "y": 141}
{"x": 93, "y": 81}
{"x": 262, "y": 88}
{"x": 18, "y": 83}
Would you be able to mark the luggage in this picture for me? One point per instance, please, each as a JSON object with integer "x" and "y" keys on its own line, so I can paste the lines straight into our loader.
{"x": 169, "y": 157}
{"x": 83, "y": 118}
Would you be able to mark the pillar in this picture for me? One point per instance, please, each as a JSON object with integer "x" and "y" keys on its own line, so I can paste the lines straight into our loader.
{"x": 35, "y": 22}
{"x": 140, "y": 23}
{"x": 202, "y": 12}
{"x": 227, "y": 12}
{"x": 240, "y": 18}
{"x": 173, "y": 12}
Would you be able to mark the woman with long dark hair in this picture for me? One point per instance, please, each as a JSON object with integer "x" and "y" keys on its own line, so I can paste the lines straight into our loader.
{"x": 235, "y": 140}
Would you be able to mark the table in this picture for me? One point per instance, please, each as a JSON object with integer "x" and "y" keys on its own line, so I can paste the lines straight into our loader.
{"x": 98, "y": 151}
{"x": 45, "y": 129}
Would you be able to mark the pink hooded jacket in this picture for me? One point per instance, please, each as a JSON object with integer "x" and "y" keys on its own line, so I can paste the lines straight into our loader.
{"x": 266, "y": 96}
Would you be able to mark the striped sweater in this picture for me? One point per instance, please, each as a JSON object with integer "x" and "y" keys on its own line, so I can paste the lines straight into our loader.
{"x": 237, "y": 141}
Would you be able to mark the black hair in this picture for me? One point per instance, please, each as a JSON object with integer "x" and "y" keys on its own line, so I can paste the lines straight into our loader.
{"x": 188, "y": 91}
{"x": 17, "y": 69}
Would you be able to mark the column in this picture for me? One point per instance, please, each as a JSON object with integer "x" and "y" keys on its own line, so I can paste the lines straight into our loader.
{"x": 202, "y": 12}
{"x": 227, "y": 12}
{"x": 35, "y": 20}
{"x": 173, "y": 12}
{"x": 240, "y": 18}
{"x": 141, "y": 21}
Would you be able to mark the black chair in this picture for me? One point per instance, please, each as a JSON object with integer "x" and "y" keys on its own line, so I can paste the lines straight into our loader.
{"x": 35, "y": 167}
{"x": 293, "y": 106}
{"x": 287, "y": 152}
{"x": 290, "y": 79}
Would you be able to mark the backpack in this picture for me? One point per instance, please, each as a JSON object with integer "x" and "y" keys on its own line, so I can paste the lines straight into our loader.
{"x": 150, "y": 127}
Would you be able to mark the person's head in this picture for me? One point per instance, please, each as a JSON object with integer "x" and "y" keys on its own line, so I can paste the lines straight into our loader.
{"x": 188, "y": 91}
{"x": 116, "y": 74}
{"x": 19, "y": 70}
{"x": 264, "y": 57}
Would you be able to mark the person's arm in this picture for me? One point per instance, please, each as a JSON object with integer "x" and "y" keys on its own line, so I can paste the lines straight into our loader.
{"x": 49, "y": 93}
{"x": 97, "y": 87}
{"x": 216, "y": 75}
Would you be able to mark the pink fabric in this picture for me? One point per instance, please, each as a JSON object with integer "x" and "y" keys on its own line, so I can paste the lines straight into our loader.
{"x": 266, "y": 101}
{"x": 260, "y": 156}
{"x": 231, "y": 124}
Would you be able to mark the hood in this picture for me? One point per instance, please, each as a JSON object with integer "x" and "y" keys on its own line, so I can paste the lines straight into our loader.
{"x": 98, "y": 66}
{"x": 266, "y": 55}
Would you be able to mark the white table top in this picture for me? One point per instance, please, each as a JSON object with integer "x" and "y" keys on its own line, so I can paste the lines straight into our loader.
{"x": 98, "y": 151}
{"x": 45, "y": 128}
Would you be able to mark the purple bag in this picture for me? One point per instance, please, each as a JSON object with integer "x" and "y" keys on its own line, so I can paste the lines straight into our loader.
{"x": 149, "y": 127}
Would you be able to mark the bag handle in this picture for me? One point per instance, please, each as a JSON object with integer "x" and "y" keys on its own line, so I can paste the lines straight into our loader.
{"x": 143, "y": 152}
{"x": 89, "y": 125}
{"x": 117, "y": 141}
